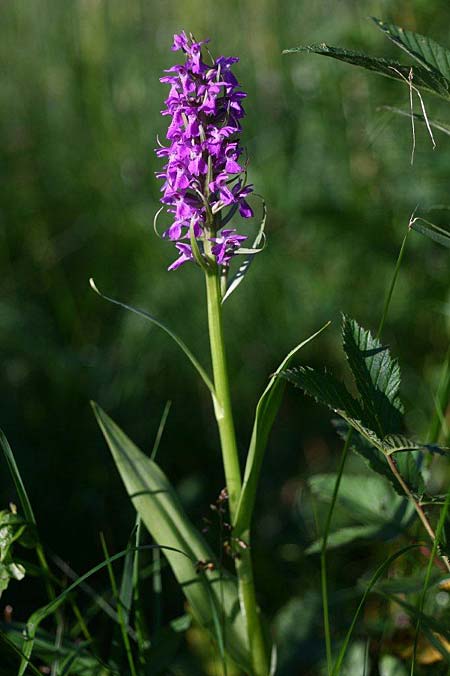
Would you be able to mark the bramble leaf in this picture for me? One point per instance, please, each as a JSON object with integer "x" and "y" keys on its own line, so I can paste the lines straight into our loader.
{"x": 422, "y": 77}
{"x": 377, "y": 377}
{"x": 429, "y": 53}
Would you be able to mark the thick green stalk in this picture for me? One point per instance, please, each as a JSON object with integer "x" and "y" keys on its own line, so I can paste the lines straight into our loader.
{"x": 222, "y": 401}
{"x": 225, "y": 423}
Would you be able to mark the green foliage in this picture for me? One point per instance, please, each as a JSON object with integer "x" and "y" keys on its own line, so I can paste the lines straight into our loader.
{"x": 393, "y": 69}
{"x": 266, "y": 411}
{"x": 12, "y": 529}
{"x": 432, "y": 75}
{"x": 426, "y": 51}
{"x": 212, "y": 595}
{"x": 370, "y": 509}
{"x": 376, "y": 416}
{"x": 181, "y": 344}
{"x": 432, "y": 231}
{"x": 377, "y": 377}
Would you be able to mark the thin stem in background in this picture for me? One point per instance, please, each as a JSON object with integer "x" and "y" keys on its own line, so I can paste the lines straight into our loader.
{"x": 441, "y": 402}
{"x": 115, "y": 591}
{"x": 392, "y": 286}
{"x": 323, "y": 553}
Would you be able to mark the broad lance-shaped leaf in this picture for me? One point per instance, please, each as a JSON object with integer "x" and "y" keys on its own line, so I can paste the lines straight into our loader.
{"x": 212, "y": 596}
{"x": 266, "y": 411}
{"x": 377, "y": 378}
{"x": 430, "y": 54}
{"x": 422, "y": 78}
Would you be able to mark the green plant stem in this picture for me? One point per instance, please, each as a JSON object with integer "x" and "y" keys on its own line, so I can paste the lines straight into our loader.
{"x": 442, "y": 399}
{"x": 323, "y": 554}
{"x": 393, "y": 283}
{"x": 222, "y": 399}
{"x": 225, "y": 423}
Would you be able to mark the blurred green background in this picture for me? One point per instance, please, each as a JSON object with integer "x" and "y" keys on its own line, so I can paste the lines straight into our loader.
{"x": 80, "y": 101}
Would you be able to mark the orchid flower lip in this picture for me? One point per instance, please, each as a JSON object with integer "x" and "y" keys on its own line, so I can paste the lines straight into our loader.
{"x": 203, "y": 174}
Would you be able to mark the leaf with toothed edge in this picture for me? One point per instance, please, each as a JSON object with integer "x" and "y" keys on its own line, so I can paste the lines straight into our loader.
{"x": 422, "y": 78}
{"x": 429, "y": 53}
{"x": 377, "y": 377}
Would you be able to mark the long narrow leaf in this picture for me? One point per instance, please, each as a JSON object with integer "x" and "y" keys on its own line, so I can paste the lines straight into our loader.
{"x": 378, "y": 573}
{"x": 266, "y": 411}
{"x": 432, "y": 231}
{"x": 212, "y": 594}
{"x": 142, "y": 313}
{"x": 17, "y": 479}
{"x": 244, "y": 267}
{"x": 42, "y": 613}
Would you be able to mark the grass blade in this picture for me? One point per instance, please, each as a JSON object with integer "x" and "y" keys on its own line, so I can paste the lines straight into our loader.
{"x": 42, "y": 613}
{"x": 375, "y": 577}
{"x": 142, "y": 313}
{"x": 17, "y": 479}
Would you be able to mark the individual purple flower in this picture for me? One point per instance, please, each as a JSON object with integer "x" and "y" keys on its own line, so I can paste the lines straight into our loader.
{"x": 204, "y": 174}
{"x": 225, "y": 245}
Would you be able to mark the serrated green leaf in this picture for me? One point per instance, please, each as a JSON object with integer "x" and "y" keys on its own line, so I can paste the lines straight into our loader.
{"x": 377, "y": 377}
{"x": 326, "y": 390}
{"x": 266, "y": 411}
{"x": 211, "y": 595}
{"x": 422, "y": 77}
{"x": 398, "y": 443}
{"x": 329, "y": 391}
{"x": 430, "y": 54}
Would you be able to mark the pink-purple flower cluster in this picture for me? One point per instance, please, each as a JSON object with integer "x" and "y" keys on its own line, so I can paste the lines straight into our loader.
{"x": 204, "y": 177}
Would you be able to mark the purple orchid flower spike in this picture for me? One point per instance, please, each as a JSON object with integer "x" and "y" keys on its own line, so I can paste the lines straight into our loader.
{"x": 203, "y": 174}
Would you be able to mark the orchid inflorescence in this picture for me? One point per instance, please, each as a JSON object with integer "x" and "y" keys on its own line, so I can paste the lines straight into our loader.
{"x": 204, "y": 181}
